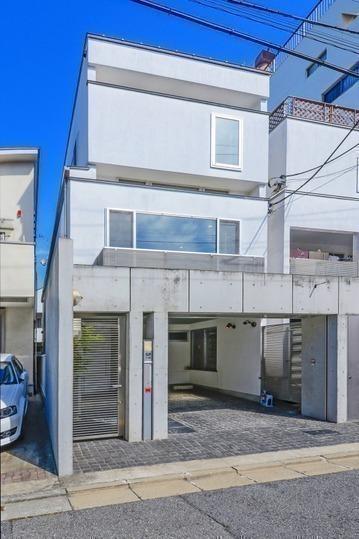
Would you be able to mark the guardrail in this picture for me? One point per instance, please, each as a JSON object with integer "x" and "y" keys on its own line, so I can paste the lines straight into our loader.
{"x": 298, "y": 107}
{"x": 173, "y": 260}
{"x": 306, "y": 266}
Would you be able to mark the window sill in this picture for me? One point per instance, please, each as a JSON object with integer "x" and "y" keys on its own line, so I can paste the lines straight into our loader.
{"x": 201, "y": 370}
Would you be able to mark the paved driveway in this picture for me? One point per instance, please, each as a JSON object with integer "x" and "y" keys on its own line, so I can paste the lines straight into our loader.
{"x": 30, "y": 457}
{"x": 205, "y": 424}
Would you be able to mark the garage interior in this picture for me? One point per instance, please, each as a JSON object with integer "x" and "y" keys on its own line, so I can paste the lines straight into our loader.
{"x": 219, "y": 362}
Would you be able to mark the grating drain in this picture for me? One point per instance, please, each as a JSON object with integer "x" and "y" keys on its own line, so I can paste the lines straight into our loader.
{"x": 319, "y": 432}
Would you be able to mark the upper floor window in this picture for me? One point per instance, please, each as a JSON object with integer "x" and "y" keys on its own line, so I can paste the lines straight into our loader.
{"x": 139, "y": 230}
{"x": 341, "y": 86}
{"x": 314, "y": 66}
{"x": 226, "y": 142}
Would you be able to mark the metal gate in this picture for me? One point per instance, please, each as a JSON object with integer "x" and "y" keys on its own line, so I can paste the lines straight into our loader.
{"x": 98, "y": 388}
{"x": 282, "y": 361}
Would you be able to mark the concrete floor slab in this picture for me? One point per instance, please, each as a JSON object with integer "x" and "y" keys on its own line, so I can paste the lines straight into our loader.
{"x": 270, "y": 473}
{"x": 44, "y": 506}
{"x": 101, "y": 497}
{"x": 315, "y": 468}
{"x": 218, "y": 479}
{"x": 350, "y": 461}
{"x": 147, "y": 490}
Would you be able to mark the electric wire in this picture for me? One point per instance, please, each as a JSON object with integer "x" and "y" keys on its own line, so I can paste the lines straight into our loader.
{"x": 284, "y": 176}
{"x": 290, "y": 15}
{"x": 325, "y": 39}
{"x": 317, "y": 171}
{"x": 231, "y": 31}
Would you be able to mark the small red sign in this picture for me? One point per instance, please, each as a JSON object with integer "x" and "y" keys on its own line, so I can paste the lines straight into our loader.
{"x": 148, "y": 389}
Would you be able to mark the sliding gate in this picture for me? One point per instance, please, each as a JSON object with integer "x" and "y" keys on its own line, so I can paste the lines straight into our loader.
{"x": 98, "y": 406}
{"x": 282, "y": 361}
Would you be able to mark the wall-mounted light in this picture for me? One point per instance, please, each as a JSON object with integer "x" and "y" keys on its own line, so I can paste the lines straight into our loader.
{"x": 250, "y": 322}
{"x": 230, "y": 326}
{"x": 76, "y": 297}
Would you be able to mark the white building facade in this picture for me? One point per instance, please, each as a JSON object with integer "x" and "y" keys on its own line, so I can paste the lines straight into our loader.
{"x": 308, "y": 79}
{"x": 157, "y": 266}
{"x": 18, "y": 196}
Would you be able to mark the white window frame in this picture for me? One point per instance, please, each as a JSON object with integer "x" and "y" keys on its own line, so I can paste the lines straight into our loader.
{"x": 134, "y": 231}
{"x": 214, "y": 164}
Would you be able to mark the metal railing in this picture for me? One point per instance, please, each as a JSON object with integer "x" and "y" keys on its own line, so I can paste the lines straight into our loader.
{"x": 333, "y": 268}
{"x": 315, "y": 15}
{"x": 307, "y": 109}
{"x": 133, "y": 258}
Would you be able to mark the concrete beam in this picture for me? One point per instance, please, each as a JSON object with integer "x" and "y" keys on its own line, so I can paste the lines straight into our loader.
{"x": 102, "y": 289}
{"x": 215, "y": 291}
{"x": 267, "y": 293}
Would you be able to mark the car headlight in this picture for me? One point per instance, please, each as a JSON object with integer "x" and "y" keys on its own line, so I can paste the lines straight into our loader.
{"x": 8, "y": 411}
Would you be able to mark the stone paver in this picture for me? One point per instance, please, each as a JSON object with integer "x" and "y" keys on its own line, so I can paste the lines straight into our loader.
{"x": 270, "y": 473}
{"x": 316, "y": 467}
{"x": 222, "y": 426}
{"x": 217, "y": 479}
{"x": 148, "y": 490}
{"x": 30, "y": 508}
{"x": 101, "y": 497}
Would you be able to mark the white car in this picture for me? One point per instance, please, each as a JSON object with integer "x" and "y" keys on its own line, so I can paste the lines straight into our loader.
{"x": 14, "y": 400}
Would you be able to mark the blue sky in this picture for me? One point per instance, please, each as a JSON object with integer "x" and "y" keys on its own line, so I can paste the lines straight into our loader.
{"x": 41, "y": 44}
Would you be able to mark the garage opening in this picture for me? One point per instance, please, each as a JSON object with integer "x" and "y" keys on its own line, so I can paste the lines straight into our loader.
{"x": 98, "y": 377}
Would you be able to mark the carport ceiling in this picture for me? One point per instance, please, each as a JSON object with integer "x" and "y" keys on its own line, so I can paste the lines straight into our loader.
{"x": 188, "y": 321}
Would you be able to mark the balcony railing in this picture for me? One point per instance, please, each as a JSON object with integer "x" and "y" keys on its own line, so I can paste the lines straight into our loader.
{"x": 317, "y": 111}
{"x": 132, "y": 258}
{"x": 292, "y": 43}
{"x": 305, "y": 266}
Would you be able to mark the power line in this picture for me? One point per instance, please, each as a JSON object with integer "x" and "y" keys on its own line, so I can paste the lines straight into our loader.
{"x": 291, "y": 16}
{"x": 317, "y": 171}
{"x": 284, "y": 176}
{"x": 314, "y": 36}
{"x": 242, "y": 35}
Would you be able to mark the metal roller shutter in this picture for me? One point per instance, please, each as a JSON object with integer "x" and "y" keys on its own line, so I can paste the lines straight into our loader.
{"x": 281, "y": 361}
{"x": 96, "y": 377}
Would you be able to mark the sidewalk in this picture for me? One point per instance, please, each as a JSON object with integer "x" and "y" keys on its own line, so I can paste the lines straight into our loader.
{"x": 139, "y": 483}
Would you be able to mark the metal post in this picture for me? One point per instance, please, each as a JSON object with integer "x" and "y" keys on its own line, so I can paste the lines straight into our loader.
{"x": 147, "y": 388}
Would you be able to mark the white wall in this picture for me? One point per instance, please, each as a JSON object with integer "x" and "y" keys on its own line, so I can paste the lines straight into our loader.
{"x": 19, "y": 332}
{"x": 148, "y": 132}
{"x": 290, "y": 78}
{"x": 137, "y": 66}
{"x": 17, "y": 192}
{"x": 89, "y": 201}
{"x": 238, "y": 358}
{"x": 306, "y": 145}
{"x": 59, "y": 355}
{"x": 79, "y": 125}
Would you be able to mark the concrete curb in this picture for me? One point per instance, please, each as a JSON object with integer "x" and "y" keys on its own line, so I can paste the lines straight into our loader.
{"x": 174, "y": 479}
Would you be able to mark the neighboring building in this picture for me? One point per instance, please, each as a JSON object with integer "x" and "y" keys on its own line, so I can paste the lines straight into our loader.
{"x": 158, "y": 256}
{"x": 293, "y": 76}
{"x": 18, "y": 199}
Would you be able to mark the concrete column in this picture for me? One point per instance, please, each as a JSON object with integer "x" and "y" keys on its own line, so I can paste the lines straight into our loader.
{"x": 160, "y": 376}
{"x": 133, "y": 431}
{"x": 337, "y": 373}
{"x": 356, "y": 246}
{"x": 65, "y": 357}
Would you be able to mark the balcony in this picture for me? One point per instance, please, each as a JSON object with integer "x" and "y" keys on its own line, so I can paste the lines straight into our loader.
{"x": 16, "y": 272}
{"x": 317, "y": 111}
{"x": 138, "y": 258}
{"x": 306, "y": 266}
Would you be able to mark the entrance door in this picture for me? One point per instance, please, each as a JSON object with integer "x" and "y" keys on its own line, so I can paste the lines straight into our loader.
{"x": 353, "y": 367}
{"x": 98, "y": 377}
{"x": 314, "y": 367}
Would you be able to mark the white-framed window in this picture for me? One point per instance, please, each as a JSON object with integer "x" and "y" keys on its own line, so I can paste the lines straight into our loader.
{"x": 130, "y": 229}
{"x": 226, "y": 142}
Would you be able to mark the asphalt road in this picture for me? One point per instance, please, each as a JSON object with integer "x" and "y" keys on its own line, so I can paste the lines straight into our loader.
{"x": 315, "y": 507}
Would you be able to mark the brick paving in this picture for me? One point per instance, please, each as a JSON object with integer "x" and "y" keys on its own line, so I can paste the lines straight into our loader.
{"x": 204, "y": 424}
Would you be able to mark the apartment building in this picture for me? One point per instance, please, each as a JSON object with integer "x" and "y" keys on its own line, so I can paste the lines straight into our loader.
{"x": 18, "y": 199}
{"x": 157, "y": 270}
{"x": 293, "y": 76}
